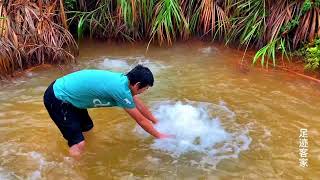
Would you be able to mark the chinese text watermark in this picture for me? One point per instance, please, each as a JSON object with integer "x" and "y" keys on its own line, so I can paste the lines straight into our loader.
{"x": 303, "y": 147}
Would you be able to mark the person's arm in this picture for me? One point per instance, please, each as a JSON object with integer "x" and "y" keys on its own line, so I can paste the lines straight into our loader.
{"x": 144, "y": 110}
{"x": 144, "y": 123}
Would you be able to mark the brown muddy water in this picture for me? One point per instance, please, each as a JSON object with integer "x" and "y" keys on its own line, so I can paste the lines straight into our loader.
{"x": 228, "y": 124}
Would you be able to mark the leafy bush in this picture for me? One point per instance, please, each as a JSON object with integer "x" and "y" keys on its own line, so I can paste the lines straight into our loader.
{"x": 312, "y": 53}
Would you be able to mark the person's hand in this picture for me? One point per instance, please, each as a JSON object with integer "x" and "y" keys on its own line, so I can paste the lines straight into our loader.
{"x": 164, "y": 136}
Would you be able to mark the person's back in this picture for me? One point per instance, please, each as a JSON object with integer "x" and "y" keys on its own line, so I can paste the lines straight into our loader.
{"x": 94, "y": 88}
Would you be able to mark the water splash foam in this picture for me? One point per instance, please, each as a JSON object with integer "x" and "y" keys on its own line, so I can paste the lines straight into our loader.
{"x": 203, "y": 136}
{"x": 125, "y": 64}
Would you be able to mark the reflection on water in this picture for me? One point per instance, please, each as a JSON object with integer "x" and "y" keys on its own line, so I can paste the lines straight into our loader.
{"x": 227, "y": 124}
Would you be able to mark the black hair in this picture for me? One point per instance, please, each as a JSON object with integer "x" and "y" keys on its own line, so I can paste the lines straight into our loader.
{"x": 140, "y": 74}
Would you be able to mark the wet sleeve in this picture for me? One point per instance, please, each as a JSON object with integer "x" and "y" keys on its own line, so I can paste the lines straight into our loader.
{"x": 124, "y": 100}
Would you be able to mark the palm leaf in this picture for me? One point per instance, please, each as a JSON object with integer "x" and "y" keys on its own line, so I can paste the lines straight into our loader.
{"x": 169, "y": 20}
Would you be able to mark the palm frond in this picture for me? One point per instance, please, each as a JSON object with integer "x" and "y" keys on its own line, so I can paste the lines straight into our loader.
{"x": 33, "y": 36}
{"x": 168, "y": 21}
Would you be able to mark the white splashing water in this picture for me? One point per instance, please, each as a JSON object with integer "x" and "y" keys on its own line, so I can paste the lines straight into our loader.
{"x": 125, "y": 64}
{"x": 200, "y": 136}
{"x": 152, "y": 65}
{"x": 115, "y": 64}
{"x": 205, "y": 50}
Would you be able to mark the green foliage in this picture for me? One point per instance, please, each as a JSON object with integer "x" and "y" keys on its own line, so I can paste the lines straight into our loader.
{"x": 248, "y": 21}
{"x": 145, "y": 12}
{"x": 272, "y": 26}
{"x": 307, "y": 5}
{"x": 269, "y": 52}
{"x": 312, "y": 53}
{"x": 127, "y": 12}
{"x": 97, "y": 21}
{"x": 70, "y": 5}
{"x": 168, "y": 21}
{"x": 2, "y": 26}
{"x": 291, "y": 24}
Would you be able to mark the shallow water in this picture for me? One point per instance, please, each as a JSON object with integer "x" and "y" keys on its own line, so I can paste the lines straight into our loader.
{"x": 228, "y": 124}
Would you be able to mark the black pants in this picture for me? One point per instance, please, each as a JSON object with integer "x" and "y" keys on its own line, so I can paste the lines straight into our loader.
{"x": 71, "y": 120}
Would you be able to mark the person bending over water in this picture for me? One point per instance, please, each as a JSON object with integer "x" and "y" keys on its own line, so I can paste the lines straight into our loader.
{"x": 68, "y": 98}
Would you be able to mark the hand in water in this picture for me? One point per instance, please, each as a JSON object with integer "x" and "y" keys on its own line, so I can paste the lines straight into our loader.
{"x": 164, "y": 136}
